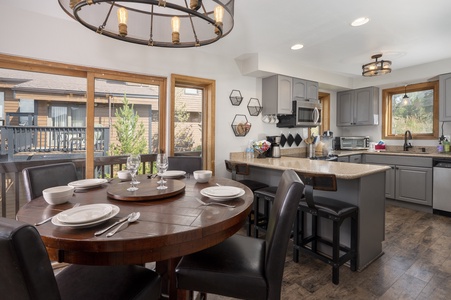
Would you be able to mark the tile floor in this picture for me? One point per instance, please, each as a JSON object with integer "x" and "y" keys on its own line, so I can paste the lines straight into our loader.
{"x": 416, "y": 265}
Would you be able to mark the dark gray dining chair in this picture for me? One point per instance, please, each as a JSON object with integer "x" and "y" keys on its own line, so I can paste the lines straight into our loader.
{"x": 26, "y": 273}
{"x": 39, "y": 178}
{"x": 189, "y": 164}
{"x": 245, "y": 267}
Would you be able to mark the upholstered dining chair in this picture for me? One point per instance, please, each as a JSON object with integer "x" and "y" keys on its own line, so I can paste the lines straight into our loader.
{"x": 242, "y": 266}
{"x": 189, "y": 164}
{"x": 39, "y": 178}
{"x": 26, "y": 272}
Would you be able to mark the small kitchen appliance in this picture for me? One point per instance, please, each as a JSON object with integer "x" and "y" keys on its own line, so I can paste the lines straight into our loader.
{"x": 274, "y": 151}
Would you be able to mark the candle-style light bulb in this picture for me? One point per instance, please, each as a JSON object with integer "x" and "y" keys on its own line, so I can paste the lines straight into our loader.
{"x": 219, "y": 15}
{"x": 175, "y": 22}
{"x": 122, "y": 18}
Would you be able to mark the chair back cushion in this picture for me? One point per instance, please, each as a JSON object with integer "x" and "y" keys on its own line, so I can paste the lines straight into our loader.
{"x": 281, "y": 219}
{"x": 189, "y": 164}
{"x": 26, "y": 272}
{"x": 37, "y": 179}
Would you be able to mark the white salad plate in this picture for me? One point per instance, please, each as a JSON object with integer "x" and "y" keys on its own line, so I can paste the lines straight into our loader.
{"x": 85, "y": 214}
{"x": 87, "y": 183}
{"x": 222, "y": 198}
{"x": 172, "y": 174}
{"x": 115, "y": 210}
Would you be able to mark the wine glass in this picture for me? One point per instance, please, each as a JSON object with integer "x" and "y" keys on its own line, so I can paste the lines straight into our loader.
{"x": 133, "y": 162}
{"x": 162, "y": 165}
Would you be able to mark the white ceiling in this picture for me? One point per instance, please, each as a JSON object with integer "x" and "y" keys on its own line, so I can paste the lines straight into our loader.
{"x": 408, "y": 32}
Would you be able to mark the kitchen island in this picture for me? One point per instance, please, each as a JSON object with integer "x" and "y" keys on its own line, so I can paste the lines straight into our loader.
{"x": 359, "y": 184}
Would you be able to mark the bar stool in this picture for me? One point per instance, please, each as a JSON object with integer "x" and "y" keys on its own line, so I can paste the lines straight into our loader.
{"x": 267, "y": 196}
{"x": 328, "y": 208}
{"x": 253, "y": 185}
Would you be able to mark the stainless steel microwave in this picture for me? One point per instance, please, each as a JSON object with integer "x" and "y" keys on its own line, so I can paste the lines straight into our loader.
{"x": 308, "y": 113}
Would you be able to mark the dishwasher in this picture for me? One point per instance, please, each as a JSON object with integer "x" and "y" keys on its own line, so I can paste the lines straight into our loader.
{"x": 441, "y": 190}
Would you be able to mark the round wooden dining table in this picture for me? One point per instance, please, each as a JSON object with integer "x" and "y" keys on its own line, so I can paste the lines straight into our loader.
{"x": 167, "y": 228}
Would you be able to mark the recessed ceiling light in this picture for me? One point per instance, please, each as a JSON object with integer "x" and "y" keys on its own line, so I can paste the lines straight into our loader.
{"x": 360, "y": 21}
{"x": 297, "y": 47}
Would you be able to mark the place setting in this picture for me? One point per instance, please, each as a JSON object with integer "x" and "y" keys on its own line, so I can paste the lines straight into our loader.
{"x": 219, "y": 194}
{"x": 85, "y": 216}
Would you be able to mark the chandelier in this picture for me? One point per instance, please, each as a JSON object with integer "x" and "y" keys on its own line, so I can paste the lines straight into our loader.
{"x": 376, "y": 67}
{"x": 160, "y": 23}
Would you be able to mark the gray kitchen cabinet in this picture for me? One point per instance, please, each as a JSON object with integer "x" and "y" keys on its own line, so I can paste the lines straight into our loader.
{"x": 355, "y": 158}
{"x": 445, "y": 98}
{"x": 409, "y": 178}
{"x": 343, "y": 158}
{"x": 358, "y": 107}
{"x": 277, "y": 95}
{"x": 305, "y": 89}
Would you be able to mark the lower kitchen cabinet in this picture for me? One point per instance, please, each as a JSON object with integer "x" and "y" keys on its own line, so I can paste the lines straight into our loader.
{"x": 355, "y": 158}
{"x": 409, "y": 178}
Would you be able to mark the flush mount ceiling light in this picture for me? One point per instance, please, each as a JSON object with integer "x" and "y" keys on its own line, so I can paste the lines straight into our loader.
{"x": 377, "y": 67}
{"x": 360, "y": 21}
{"x": 159, "y": 23}
{"x": 297, "y": 46}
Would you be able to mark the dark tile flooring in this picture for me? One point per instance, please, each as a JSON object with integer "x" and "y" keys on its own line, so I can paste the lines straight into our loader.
{"x": 416, "y": 265}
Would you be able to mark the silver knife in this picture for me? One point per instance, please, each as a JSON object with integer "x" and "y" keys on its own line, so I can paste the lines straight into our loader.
{"x": 111, "y": 226}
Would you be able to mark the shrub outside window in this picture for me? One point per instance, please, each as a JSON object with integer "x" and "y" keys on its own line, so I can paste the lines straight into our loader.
{"x": 419, "y": 114}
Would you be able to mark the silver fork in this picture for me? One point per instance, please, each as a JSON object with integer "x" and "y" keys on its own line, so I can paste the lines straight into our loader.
{"x": 214, "y": 203}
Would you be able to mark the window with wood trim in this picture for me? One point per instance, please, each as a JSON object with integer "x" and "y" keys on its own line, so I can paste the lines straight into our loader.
{"x": 419, "y": 113}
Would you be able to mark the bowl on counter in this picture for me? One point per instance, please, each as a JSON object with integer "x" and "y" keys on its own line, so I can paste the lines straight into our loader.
{"x": 58, "y": 194}
{"x": 202, "y": 176}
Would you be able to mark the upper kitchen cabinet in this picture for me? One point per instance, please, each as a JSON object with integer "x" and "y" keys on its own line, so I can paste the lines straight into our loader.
{"x": 305, "y": 89}
{"x": 277, "y": 95}
{"x": 445, "y": 97}
{"x": 358, "y": 107}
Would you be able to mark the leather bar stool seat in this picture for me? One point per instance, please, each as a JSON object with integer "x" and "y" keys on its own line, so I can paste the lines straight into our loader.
{"x": 327, "y": 208}
{"x": 265, "y": 197}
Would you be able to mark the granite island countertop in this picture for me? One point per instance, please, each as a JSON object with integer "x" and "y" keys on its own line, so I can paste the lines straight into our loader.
{"x": 341, "y": 170}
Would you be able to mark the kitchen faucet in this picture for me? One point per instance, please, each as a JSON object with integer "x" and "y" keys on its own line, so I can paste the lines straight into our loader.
{"x": 407, "y": 135}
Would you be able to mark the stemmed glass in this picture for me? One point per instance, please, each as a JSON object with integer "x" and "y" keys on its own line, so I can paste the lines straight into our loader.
{"x": 133, "y": 162}
{"x": 162, "y": 165}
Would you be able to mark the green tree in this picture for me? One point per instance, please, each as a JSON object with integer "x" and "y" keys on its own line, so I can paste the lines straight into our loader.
{"x": 183, "y": 133}
{"x": 130, "y": 132}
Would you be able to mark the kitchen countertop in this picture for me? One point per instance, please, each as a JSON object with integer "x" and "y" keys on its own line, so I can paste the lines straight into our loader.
{"x": 341, "y": 170}
{"x": 416, "y": 153}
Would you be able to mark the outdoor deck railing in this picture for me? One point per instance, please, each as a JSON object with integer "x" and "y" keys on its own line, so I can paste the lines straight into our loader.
{"x": 12, "y": 190}
{"x": 16, "y": 139}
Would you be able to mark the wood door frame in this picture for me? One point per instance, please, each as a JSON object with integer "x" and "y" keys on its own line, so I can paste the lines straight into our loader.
{"x": 208, "y": 115}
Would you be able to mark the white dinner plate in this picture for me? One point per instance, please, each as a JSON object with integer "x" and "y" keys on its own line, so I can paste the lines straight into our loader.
{"x": 115, "y": 211}
{"x": 172, "y": 174}
{"x": 222, "y": 191}
{"x": 224, "y": 198}
{"x": 87, "y": 183}
{"x": 85, "y": 213}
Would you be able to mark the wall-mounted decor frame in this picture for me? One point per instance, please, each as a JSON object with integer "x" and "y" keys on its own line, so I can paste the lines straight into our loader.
{"x": 254, "y": 107}
{"x": 240, "y": 125}
{"x": 235, "y": 97}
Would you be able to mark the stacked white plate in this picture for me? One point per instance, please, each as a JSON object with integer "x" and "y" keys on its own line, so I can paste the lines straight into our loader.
{"x": 86, "y": 215}
{"x": 87, "y": 183}
{"x": 222, "y": 193}
{"x": 172, "y": 174}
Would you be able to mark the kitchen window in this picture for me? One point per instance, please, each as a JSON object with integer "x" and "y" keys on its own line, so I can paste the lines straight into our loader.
{"x": 419, "y": 114}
